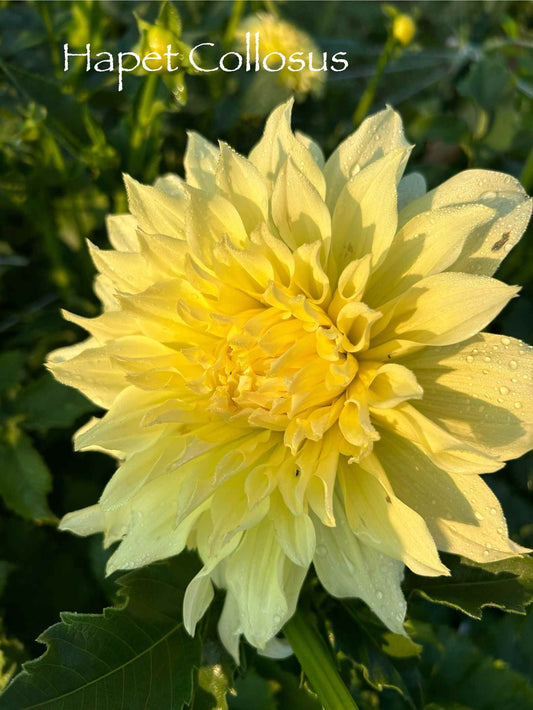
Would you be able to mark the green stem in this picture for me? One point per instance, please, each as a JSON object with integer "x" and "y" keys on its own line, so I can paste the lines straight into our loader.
{"x": 365, "y": 102}
{"x": 317, "y": 664}
{"x": 142, "y": 123}
{"x": 233, "y": 23}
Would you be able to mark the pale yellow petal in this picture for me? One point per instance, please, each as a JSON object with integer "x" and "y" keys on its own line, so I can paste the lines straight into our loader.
{"x": 381, "y": 520}
{"x": 447, "y": 451}
{"x": 210, "y": 219}
{"x": 365, "y": 216}
{"x": 443, "y": 309}
{"x": 298, "y": 211}
{"x": 347, "y": 567}
{"x": 243, "y": 185}
{"x": 278, "y": 143}
{"x": 155, "y": 211}
{"x": 264, "y": 582}
{"x": 428, "y": 244}
{"x": 294, "y": 533}
{"x": 313, "y": 147}
{"x": 122, "y": 232}
{"x": 485, "y": 248}
{"x": 200, "y": 162}
{"x": 377, "y": 136}
{"x": 480, "y": 391}
{"x": 461, "y": 512}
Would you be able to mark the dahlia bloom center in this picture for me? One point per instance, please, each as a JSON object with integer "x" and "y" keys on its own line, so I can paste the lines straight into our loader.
{"x": 299, "y": 360}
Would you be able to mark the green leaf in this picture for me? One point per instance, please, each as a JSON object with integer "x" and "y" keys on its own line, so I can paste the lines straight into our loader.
{"x": 47, "y": 403}
{"x": 470, "y": 588}
{"x": 11, "y": 369}
{"x": 136, "y": 657}
{"x": 252, "y": 692}
{"x": 464, "y": 675}
{"x": 378, "y": 653}
{"x": 487, "y": 82}
{"x": 24, "y": 477}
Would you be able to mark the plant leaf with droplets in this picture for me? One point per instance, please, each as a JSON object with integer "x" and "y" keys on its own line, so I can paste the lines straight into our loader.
{"x": 134, "y": 657}
{"x": 471, "y": 587}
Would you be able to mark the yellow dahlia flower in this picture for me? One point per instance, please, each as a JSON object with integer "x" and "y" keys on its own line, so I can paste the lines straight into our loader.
{"x": 279, "y": 37}
{"x": 290, "y": 356}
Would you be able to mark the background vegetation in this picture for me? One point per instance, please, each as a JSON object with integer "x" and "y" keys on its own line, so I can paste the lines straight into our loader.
{"x": 465, "y": 89}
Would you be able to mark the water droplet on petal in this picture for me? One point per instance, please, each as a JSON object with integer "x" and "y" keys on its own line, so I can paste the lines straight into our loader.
{"x": 505, "y": 341}
{"x": 479, "y": 516}
{"x": 518, "y": 405}
{"x": 493, "y": 511}
{"x": 504, "y": 390}
{"x": 469, "y": 358}
{"x": 379, "y": 595}
{"x": 486, "y": 358}
{"x": 513, "y": 364}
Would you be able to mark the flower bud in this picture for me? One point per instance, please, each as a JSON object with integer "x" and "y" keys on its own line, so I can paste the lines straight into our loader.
{"x": 403, "y": 29}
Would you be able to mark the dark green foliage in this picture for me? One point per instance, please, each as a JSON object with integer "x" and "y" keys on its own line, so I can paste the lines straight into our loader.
{"x": 136, "y": 656}
{"x": 465, "y": 90}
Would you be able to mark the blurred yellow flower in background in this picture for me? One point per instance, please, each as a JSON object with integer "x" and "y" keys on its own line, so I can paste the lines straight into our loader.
{"x": 291, "y": 359}
{"x": 282, "y": 37}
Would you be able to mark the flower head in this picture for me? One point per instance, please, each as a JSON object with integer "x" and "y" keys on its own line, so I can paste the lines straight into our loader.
{"x": 281, "y": 39}
{"x": 291, "y": 359}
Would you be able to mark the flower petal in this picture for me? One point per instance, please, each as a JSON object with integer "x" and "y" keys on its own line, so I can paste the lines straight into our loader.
{"x": 156, "y": 211}
{"x": 243, "y": 185}
{"x": 377, "y": 136}
{"x": 279, "y": 143}
{"x": 365, "y": 216}
{"x": 428, "y": 244}
{"x": 461, "y": 512}
{"x": 298, "y": 210}
{"x": 200, "y": 162}
{"x": 348, "y": 568}
{"x": 479, "y": 391}
{"x": 381, "y": 520}
{"x": 486, "y": 247}
{"x": 264, "y": 582}
{"x": 443, "y": 309}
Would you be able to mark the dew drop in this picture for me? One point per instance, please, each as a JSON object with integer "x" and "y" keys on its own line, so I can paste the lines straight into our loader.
{"x": 321, "y": 550}
{"x": 506, "y": 341}
{"x": 469, "y": 358}
{"x": 495, "y": 347}
{"x": 475, "y": 351}
{"x": 486, "y": 358}
{"x": 485, "y": 372}
{"x": 379, "y": 595}
{"x": 488, "y": 546}
{"x": 504, "y": 390}
{"x": 485, "y": 553}
{"x": 493, "y": 511}
{"x": 513, "y": 364}
{"x": 500, "y": 400}
{"x": 514, "y": 379}
{"x": 518, "y": 405}
{"x": 479, "y": 516}
{"x": 499, "y": 531}
{"x": 277, "y": 618}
